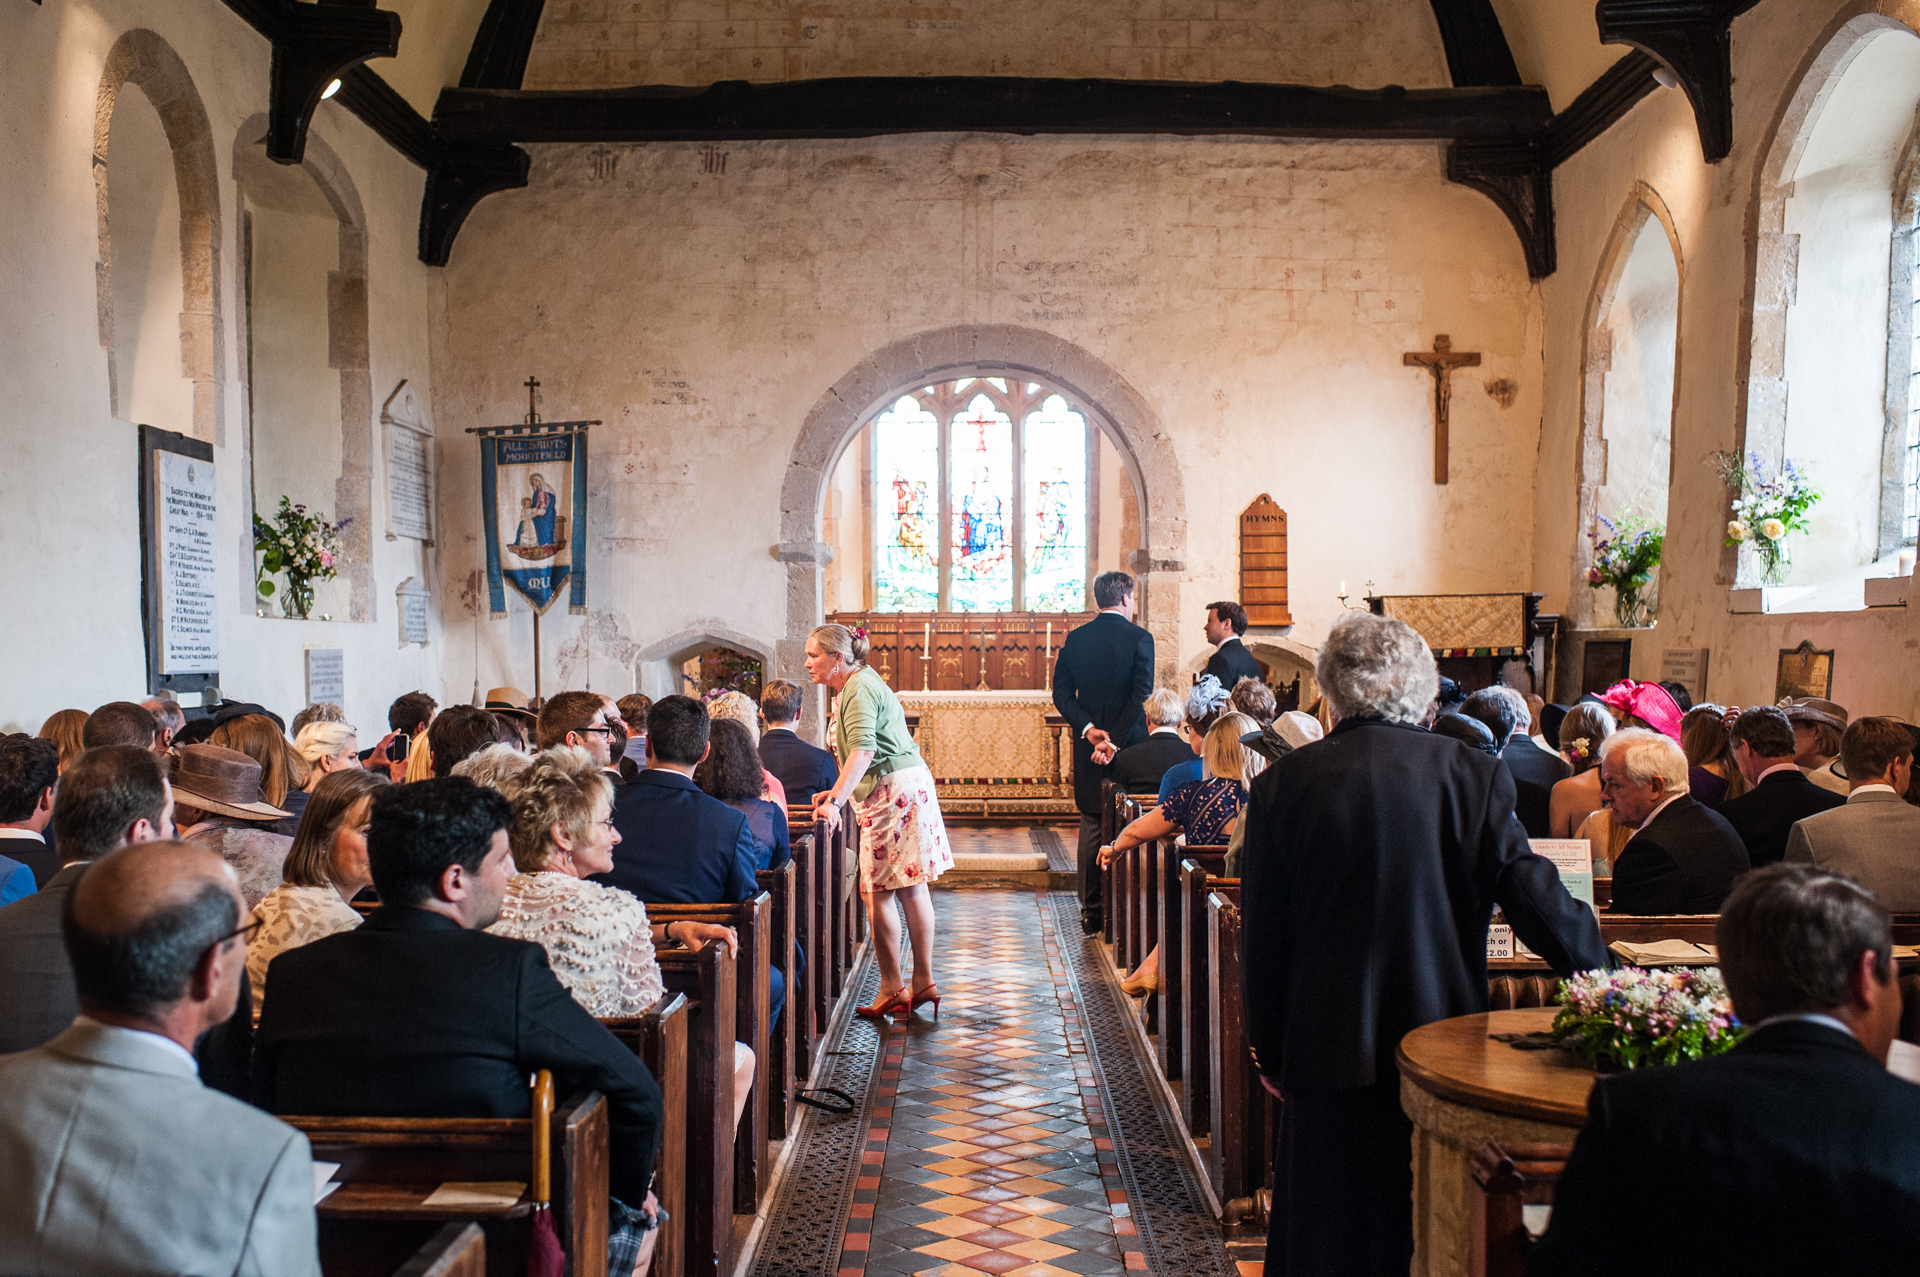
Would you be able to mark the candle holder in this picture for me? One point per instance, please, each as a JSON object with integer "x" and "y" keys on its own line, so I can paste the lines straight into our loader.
{"x": 1354, "y": 607}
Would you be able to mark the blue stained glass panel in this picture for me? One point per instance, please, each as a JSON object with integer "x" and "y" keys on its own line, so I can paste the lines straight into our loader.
{"x": 981, "y": 457}
{"x": 1054, "y": 476}
{"x": 906, "y": 523}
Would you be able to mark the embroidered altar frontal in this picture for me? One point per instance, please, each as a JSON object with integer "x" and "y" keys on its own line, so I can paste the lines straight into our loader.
{"x": 994, "y": 753}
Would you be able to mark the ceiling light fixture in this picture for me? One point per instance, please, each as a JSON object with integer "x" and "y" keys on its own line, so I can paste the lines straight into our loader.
{"x": 334, "y": 88}
{"x": 1661, "y": 76}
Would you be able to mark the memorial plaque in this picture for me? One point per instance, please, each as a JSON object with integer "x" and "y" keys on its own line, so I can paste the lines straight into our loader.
{"x": 409, "y": 467}
{"x": 1804, "y": 671}
{"x": 412, "y": 596}
{"x": 1263, "y": 563}
{"x": 326, "y": 675}
{"x": 1686, "y": 666}
{"x": 183, "y": 510}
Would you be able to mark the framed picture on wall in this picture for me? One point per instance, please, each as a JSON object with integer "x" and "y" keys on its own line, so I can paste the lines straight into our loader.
{"x": 1804, "y": 671}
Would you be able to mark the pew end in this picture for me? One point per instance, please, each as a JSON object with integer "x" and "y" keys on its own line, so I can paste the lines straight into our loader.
{"x": 660, "y": 1038}
{"x": 457, "y": 1250}
{"x": 1506, "y": 1189}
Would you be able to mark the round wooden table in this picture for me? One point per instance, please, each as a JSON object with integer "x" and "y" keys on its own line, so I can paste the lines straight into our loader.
{"x": 1462, "y": 1088}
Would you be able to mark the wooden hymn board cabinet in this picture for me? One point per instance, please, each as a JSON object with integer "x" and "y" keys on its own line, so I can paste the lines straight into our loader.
{"x": 1263, "y": 563}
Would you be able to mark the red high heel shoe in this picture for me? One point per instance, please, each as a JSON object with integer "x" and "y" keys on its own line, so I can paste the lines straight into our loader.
{"x": 884, "y": 1007}
{"x": 929, "y": 994}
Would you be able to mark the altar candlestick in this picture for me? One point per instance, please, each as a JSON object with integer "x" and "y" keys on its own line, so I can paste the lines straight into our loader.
{"x": 926, "y": 658}
{"x": 1049, "y": 656}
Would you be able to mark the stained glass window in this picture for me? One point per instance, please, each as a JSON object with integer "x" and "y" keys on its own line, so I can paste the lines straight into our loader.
{"x": 981, "y": 462}
{"x": 906, "y": 508}
{"x": 1054, "y": 492}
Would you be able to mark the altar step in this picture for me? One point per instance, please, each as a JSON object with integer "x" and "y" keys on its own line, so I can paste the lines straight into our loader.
{"x": 1002, "y": 857}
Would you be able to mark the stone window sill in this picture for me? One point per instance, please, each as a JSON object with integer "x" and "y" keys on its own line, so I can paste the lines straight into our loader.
{"x": 1875, "y": 585}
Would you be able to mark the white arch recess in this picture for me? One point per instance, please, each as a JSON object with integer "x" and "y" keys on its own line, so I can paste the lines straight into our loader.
{"x": 946, "y": 354}
{"x": 657, "y": 666}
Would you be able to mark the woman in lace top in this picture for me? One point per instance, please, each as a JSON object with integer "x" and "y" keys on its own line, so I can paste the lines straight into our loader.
{"x": 325, "y": 869}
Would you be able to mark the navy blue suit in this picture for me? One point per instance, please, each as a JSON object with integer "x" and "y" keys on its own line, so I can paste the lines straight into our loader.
{"x": 679, "y": 846}
{"x": 802, "y": 769}
{"x": 1100, "y": 679}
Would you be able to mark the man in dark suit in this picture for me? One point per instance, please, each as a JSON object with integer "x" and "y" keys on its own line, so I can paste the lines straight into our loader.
{"x": 802, "y": 769}
{"x": 1226, "y": 622}
{"x": 420, "y": 1013}
{"x": 1796, "y": 1152}
{"x": 1504, "y": 712}
{"x": 1781, "y": 795}
{"x": 1363, "y": 919}
{"x": 1100, "y": 682}
{"x": 1140, "y": 767}
{"x": 1685, "y": 856}
{"x": 29, "y": 767}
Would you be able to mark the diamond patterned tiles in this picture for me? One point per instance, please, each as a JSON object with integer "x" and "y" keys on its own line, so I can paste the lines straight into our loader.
{"x": 992, "y": 1153}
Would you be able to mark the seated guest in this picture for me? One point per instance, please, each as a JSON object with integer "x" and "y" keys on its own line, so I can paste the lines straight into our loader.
{"x": 28, "y": 768}
{"x": 408, "y": 718}
{"x": 1536, "y": 714}
{"x": 495, "y": 766}
{"x": 117, "y": 1159}
{"x": 168, "y": 717}
{"x": 633, "y": 712}
{"x": 731, "y": 772}
{"x": 325, "y": 869}
{"x": 803, "y": 770}
{"x": 218, "y": 806}
{"x": 283, "y": 773}
{"x": 598, "y": 940}
{"x": 419, "y": 1013}
{"x": 1647, "y": 705}
{"x": 508, "y": 705}
{"x": 1583, "y": 730}
{"x": 1682, "y": 698}
{"x": 739, "y": 707}
{"x": 63, "y": 728}
{"x": 1781, "y": 793}
{"x": 1206, "y": 702}
{"x": 121, "y": 723}
{"x": 1226, "y": 622}
{"x": 1535, "y": 772}
{"x": 315, "y": 712}
{"x": 326, "y": 747}
{"x": 1797, "y": 1152}
{"x": 1256, "y": 700}
{"x": 578, "y": 719}
{"x": 1712, "y": 774}
{"x": 1874, "y": 838}
{"x": 457, "y": 732}
{"x": 1470, "y": 732}
{"x": 1140, "y": 768}
{"x": 1682, "y": 858}
{"x": 1817, "y": 728}
{"x": 114, "y": 796}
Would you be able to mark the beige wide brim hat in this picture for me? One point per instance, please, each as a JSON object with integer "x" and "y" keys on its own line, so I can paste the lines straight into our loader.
{"x": 508, "y": 700}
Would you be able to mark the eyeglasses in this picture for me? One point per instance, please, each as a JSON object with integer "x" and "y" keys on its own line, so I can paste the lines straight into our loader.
{"x": 608, "y": 822}
{"x": 604, "y": 731}
{"x": 244, "y": 933}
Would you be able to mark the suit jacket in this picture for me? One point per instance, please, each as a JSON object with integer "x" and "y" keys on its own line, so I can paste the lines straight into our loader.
{"x": 1874, "y": 839}
{"x": 35, "y": 854}
{"x": 37, "y": 999}
{"x": 117, "y": 1160}
{"x": 1371, "y": 867}
{"x": 804, "y": 769}
{"x": 1792, "y": 1154}
{"x": 1535, "y": 773}
{"x": 1684, "y": 861}
{"x": 1101, "y": 679}
{"x": 410, "y": 1015}
{"x": 1233, "y": 662}
{"x": 680, "y": 846}
{"x": 1767, "y": 813}
{"x": 1140, "y": 767}
{"x": 16, "y": 881}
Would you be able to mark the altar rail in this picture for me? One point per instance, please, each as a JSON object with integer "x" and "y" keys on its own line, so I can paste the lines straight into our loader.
{"x": 964, "y": 651}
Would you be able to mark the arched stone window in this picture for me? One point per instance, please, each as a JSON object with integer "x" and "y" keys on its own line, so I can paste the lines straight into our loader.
{"x": 1832, "y": 362}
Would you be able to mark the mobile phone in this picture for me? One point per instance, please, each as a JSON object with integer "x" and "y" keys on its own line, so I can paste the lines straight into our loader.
{"x": 397, "y": 749}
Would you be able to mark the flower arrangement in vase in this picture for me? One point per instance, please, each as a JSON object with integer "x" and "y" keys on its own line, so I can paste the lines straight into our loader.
{"x": 1632, "y": 1017}
{"x": 302, "y": 547}
{"x": 1625, "y": 559}
{"x": 1767, "y": 510}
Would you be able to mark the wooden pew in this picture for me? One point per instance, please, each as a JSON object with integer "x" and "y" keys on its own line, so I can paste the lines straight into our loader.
{"x": 709, "y": 981}
{"x": 753, "y": 921}
{"x": 1501, "y": 1184}
{"x": 804, "y": 995}
{"x": 1110, "y": 795}
{"x": 1240, "y": 1113}
{"x": 1168, "y": 999}
{"x": 779, "y": 886}
{"x": 457, "y": 1250}
{"x": 1197, "y": 1045}
{"x": 661, "y": 1039}
{"x": 1119, "y": 888}
{"x": 377, "y": 1219}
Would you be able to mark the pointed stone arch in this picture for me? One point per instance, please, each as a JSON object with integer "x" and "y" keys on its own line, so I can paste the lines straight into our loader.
{"x": 656, "y": 666}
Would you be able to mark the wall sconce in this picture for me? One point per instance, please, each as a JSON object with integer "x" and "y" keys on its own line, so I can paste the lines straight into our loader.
{"x": 1353, "y": 607}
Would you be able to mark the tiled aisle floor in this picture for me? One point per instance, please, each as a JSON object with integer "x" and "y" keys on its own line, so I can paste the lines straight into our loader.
{"x": 988, "y": 1150}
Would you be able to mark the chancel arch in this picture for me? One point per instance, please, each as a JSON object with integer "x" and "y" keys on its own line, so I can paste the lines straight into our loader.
{"x": 1629, "y": 387}
{"x": 158, "y": 211}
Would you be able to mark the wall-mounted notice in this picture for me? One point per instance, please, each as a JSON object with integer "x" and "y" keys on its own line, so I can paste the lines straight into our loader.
{"x": 412, "y": 596}
{"x": 409, "y": 467}
{"x": 183, "y": 511}
{"x": 326, "y": 675}
{"x": 1686, "y": 666}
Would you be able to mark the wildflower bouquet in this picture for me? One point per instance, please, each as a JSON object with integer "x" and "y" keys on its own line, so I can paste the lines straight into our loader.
{"x": 1625, "y": 559}
{"x": 302, "y": 547}
{"x": 1633, "y": 1017}
{"x": 1767, "y": 510}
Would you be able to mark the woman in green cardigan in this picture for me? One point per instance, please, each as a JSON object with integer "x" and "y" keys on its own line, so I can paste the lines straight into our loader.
{"x": 903, "y": 840}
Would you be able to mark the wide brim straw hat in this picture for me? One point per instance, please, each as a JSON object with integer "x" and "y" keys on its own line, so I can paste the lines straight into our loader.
{"x": 508, "y": 700}
{"x": 223, "y": 781}
{"x": 1812, "y": 709}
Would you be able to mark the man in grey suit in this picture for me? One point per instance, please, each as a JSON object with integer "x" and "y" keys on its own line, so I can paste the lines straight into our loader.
{"x": 115, "y": 1157}
{"x": 1874, "y": 838}
{"x": 111, "y": 796}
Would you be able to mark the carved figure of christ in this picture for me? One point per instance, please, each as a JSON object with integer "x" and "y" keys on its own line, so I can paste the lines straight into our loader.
{"x": 1441, "y": 362}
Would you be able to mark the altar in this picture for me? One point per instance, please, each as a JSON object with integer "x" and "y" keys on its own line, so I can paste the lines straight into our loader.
{"x": 995, "y": 755}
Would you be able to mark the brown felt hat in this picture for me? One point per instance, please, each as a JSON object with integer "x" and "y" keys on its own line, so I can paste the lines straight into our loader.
{"x": 508, "y": 700}
{"x": 1812, "y": 709}
{"x": 223, "y": 781}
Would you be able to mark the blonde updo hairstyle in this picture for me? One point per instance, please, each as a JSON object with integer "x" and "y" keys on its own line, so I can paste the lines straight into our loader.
{"x": 842, "y": 642}
{"x": 558, "y": 790}
{"x": 1226, "y": 757}
{"x": 324, "y": 739}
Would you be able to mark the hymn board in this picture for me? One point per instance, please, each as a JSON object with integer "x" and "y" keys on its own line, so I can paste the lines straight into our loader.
{"x": 1263, "y": 563}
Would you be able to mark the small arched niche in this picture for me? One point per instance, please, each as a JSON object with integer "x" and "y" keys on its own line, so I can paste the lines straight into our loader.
{"x": 687, "y": 663}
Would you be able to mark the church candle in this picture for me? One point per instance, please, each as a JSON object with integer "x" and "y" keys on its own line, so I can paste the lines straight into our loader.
{"x": 926, "y": 654}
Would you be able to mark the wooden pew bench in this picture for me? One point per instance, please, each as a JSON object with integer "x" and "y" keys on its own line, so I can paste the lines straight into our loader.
{"x": 1506, "y": 1190}
{"x": 1194, "y": 990}
{"x": 457, "y": 1250}
{"x": 1166, "y": 1002}
{"x": 778, "y": 884}
{"x": 1241, "y": 1113}
{"x": 661, "y": 1038}
{"x": 709, "y": 982}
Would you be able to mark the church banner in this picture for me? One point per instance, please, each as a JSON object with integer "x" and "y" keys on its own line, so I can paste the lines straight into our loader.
{"x": 533, "y": 491}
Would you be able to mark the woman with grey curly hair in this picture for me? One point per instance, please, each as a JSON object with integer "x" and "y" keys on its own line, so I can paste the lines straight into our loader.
{"x": 1376, "y": 667}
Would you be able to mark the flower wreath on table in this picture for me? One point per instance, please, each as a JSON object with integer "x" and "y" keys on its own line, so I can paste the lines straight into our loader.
{"x": 1633, "y": 1017}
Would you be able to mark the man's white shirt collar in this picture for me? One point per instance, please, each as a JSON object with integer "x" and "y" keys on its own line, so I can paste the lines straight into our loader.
{"x": 1788, "y": 766}
{"x": 1164, "y": 731}
{"x": 1875, "y": 785}
{"x": 8, "y": 831}
{"x": 1655, "y": 813}
{"x": 1810, "y": 1017}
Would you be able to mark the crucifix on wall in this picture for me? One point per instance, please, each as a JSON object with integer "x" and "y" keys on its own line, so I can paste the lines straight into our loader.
{"x": 1441, "y": 362}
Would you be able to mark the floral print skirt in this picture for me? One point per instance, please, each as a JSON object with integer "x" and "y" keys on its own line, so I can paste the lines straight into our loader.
{"x": 903, "y": 839}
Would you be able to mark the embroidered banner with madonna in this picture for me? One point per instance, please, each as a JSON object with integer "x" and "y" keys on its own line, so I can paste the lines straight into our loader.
{"x": 533, "y": 491}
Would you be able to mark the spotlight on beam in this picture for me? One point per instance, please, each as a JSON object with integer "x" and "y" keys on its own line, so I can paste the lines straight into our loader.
{"x": 334, "y": 87}
{"x": 1661, "y": 76}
